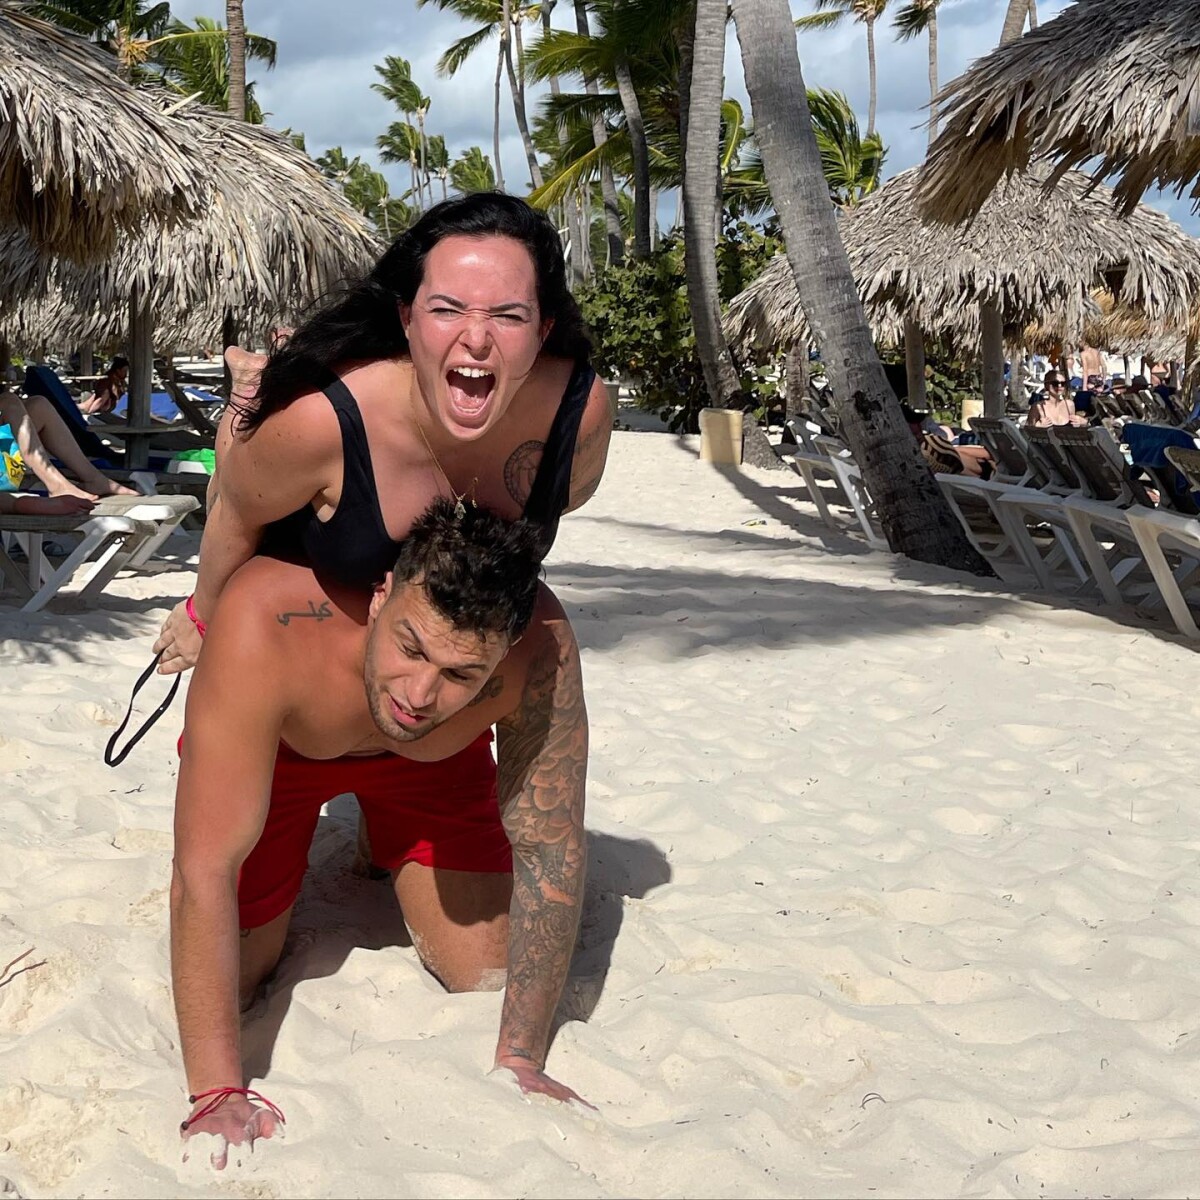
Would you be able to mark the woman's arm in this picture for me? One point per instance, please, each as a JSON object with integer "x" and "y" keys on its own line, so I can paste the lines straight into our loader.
{"x": 591, "y": 446}
{"x": 264, "y": 476}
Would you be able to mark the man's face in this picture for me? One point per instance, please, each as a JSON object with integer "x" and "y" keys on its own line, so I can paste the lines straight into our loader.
{"x": 419, "y": 669}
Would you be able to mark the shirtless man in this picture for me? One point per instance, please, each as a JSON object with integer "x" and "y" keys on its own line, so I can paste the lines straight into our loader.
{"x": 306, "y": 690}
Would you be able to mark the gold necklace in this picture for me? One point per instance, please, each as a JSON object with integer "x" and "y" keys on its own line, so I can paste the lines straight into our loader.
{"x": 459, "y": 508}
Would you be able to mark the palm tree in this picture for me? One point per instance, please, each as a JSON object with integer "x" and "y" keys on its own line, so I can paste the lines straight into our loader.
{"x": 402, "y": 143}
{"x": 492, "y": 18}
{"x": 472, "y": 172}
{"x": 702, "y": 200}
{"x": 915, "y": 516}
{"x": 851, "y": 164}
{"x": 398, "y": 86}
{"x": 123, "y": 27}
{"x": 915, "y": 18}
{"x": 437, "y": 162}
{"x": 195, "y": 61}
{"x": 1014, "y": 19}
{"x": 831, "y": 13}
{"x": 235, "y": 22}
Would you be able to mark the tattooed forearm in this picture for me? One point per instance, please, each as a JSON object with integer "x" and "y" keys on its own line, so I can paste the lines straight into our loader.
{"x": 541, "y": 769}
{"x": 489, "y": 691}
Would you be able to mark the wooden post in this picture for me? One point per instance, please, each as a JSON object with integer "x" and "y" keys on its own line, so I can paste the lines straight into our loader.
{"x": 86, "y": 359}
{"x": 914, "y": 362}
{"x": 991, "y": 324}
{"x": 141, "y": 366}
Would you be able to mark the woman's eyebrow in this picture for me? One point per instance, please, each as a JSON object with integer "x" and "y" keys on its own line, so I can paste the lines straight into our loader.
{"x": 498, "y": 308}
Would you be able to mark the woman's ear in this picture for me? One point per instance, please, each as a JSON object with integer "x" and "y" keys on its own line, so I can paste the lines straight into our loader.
{"x": 547, "y": 325}
{"x": 405, "y": 311}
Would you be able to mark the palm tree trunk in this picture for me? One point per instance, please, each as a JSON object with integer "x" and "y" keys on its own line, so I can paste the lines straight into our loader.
{"x": 916, "y": 519}
{"x": 914, "y": 362}
{"x": 872, "y": 78}
{"x": 1014, "y": 21}
{"x": 1033, "y": 16}
{"x": 608, "y": 186}
{"x": 991, "y": 328}
{"x": 574, "y": 213}
{"x": 933, "y": 73}
{"x": 496, "y": 116}
{"x": 641, "y": 158}
{"x": 518, "y": 98}
{"x": 795, "y": 380}
{"x": 426, "y": 182}
{"x": 235, "y": 32}
{"x": 702, "y": 199}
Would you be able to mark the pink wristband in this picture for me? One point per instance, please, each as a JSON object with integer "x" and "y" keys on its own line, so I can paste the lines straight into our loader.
{"x": 190, "y": 609}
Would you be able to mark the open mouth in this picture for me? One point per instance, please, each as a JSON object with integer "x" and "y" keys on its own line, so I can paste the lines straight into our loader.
{"x": 470, "y": 389}
{"x": 405, "y": 719}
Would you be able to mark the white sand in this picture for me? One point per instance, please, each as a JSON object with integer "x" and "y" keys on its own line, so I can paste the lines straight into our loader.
{"x": 893, "y": 891}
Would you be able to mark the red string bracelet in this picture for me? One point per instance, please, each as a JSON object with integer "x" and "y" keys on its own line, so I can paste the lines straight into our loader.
{"x": 190, "y": 609}
{"x": 220, "y": 1095}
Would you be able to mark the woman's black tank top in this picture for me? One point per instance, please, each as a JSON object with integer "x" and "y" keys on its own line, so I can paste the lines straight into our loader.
{"x": 354, "y": 547}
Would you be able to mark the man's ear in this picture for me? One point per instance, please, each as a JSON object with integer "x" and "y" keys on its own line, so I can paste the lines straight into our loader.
{"x": 380, "y": 596}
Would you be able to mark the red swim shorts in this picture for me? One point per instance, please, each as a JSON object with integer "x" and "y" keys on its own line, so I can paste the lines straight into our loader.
{"x": 438, "y": 814}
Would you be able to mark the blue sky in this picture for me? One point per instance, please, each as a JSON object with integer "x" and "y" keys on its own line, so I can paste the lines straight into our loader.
{"x": 327, "y": 53}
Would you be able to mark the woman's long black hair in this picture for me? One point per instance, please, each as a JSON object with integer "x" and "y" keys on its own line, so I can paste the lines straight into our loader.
{"x": 362, "y": 323}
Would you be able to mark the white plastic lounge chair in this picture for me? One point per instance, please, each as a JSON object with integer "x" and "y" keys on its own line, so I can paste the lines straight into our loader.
{"x": 120, "y": 532}
{"x": 1159, "y": 533}
{"x": 849, "y": 477}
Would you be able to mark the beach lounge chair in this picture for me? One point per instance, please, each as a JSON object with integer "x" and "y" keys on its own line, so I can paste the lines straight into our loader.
{"x": 1147, "y": 450}
{"x": 1187, "y": 463}
{"x": 1099, "y": 518}
{"x": 120, "y": 532}
{"x": 1051, "y": 464}
{"x": 1170, "y": 546}
{"x": 1010, "y": 454}
{"x": 849, "y": 477}
{"x": 40, "y": 380}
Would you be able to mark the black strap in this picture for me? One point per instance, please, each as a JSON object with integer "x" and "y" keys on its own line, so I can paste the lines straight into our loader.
{"x": 117, "y": 759}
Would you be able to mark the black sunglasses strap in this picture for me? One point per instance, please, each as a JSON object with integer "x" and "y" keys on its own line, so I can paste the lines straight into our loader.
{"x": 113, "y": 759}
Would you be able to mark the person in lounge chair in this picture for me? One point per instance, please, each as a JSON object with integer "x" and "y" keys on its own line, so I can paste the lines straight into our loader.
{"x": 1055, "y": 405}
{"x": 41, "y": 436}
{"x": 391, "y": 695}
{"x": 112, "y": 387}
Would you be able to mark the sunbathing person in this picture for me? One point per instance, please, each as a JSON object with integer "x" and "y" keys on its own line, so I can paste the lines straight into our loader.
{"x": 41, "y": 433}
{"x": 392, "y": 696}
{"x": 112, "y": 387}
{"x": 1055, "y": 406}
{"x": 457, "y": 367}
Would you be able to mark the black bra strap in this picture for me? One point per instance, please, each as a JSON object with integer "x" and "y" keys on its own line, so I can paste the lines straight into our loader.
{"x": 115, "y": 760}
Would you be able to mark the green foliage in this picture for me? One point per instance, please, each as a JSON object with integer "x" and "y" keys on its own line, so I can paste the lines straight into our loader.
{"x": 949, "y": 378}
{"x": 639, "y": 317}
{"x": 471, "y": 172}
{"x": 195, "y": 61}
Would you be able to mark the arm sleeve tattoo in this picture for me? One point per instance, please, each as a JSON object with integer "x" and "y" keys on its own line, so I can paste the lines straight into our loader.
{"x": 541, "y": 771}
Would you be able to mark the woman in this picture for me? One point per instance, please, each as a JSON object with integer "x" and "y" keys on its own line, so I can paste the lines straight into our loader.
{"x": 40, "y": 436}
{"x": 457, "y": 367}
{"x": 112, "y": 387}
{"x": 1056, "y": 406}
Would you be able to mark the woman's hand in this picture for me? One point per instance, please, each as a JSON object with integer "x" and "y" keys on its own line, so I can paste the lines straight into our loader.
{"x": 238, "y": 1122}
{"x": 179, "y": 642}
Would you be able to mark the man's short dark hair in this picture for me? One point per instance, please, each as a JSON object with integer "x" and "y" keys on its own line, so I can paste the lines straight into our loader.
{"x": 480, "y": 572}
{"x": 117, "y": 363}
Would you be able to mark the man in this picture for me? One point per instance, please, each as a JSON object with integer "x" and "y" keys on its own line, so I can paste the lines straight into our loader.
{"x": 1054, "y": 405}
{"x": 306, "y": 690}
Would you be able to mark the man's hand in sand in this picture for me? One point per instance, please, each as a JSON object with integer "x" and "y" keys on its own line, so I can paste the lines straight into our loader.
{"x": 533, "y": 1081}
{"x": 238, "y": 1122}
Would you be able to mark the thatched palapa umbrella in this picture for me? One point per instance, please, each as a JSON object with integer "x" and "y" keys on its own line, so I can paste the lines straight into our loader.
{"x": 1114, "y": 80}
{"x": 82, "y": 154}
{"x": 275, "y": 237}
{"x": 1024, "y": 256}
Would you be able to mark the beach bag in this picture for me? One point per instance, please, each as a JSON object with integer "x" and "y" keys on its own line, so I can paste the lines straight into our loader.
{"x": 14, "y": 465}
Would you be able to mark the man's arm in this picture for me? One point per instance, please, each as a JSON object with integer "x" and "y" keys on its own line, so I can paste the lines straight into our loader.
{"x": 541, "y": 769}
{"x": 234, "y": 714}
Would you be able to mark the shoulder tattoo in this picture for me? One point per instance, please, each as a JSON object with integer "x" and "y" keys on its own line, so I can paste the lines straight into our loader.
{"x": 521, "y": 469}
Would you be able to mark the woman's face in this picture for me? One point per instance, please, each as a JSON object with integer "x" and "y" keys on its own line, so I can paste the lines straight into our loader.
{"x": 474, "y": 330}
